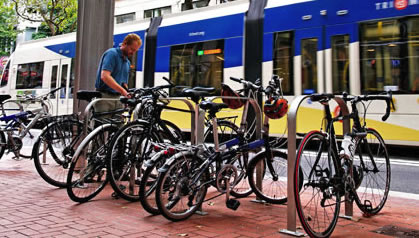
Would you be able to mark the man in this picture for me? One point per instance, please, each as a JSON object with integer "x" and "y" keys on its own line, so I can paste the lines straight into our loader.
{"x": 113, "y": 72}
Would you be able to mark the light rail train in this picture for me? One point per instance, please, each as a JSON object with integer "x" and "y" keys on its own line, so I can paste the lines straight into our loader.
{"x": 359, "y": 46}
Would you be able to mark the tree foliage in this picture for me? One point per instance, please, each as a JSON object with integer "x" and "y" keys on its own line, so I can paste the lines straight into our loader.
{"x": 8, "y": 21}
{"x": 56, "y": 16}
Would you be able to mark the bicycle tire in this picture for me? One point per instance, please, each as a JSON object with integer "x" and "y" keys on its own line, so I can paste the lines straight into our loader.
{"x": 172, "y": 191}
{"x": 56, "y": 140}
{"x": 148, "y": 186}
{"x": 317, "y": 202}
{"x": 227, "y": 131}
{"x": 372, "y": 182}
{"x": 87, "y": 175}
{"x": 3, "y": 143}
{"x": 274, "y": 188}
{"x": 125, "y": 158}
{"x": 176, "y": 133}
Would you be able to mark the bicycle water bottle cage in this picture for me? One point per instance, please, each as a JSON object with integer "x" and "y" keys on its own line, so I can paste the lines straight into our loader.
{"x": 4, "y": 97}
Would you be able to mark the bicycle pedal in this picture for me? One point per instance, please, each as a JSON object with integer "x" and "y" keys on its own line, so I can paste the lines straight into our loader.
{"x": 233, "y": 204}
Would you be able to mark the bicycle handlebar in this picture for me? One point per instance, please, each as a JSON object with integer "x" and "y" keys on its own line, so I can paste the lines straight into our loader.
{"x": 247, "y": 84}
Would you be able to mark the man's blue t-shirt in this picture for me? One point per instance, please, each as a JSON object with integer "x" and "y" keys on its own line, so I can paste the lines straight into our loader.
{"x": 114, "y": 61}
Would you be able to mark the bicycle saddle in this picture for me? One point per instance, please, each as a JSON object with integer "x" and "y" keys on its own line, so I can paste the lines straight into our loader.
{"x": 4, "y": 97}
{"x": 205, "y": 89}
{"x": 212, "y": 107}
{"x": 88, "y": 95}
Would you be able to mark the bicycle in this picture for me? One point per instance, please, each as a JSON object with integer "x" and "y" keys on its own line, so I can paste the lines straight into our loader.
{"x": 184, "y": 178}
{"x": 18, "y": 125}
{"x": 360, "y": 171}
{"x": 131, "y": 145}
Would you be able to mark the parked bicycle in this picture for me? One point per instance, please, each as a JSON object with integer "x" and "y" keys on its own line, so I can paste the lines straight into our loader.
{"x": 359, "y": 171}
{"x": 18, "y": 124}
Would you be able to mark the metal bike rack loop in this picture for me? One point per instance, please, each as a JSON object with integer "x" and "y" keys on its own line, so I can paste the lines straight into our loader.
{"x": 292, "y": 148}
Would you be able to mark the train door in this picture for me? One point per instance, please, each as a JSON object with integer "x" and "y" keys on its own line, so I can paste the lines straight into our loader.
{"x": 342, "y": 59}
{"x": 60, "y": 75}
{"x": 309, "y": 58}
{"x": 327, "y": 60}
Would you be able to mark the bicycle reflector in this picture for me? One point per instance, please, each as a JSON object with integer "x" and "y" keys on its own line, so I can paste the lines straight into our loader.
{"x": 275, "y": 107}
{"x": 233, "y": 103}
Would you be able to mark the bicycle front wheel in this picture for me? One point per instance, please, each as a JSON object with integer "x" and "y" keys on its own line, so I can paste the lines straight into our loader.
{"x": 371, "y": 173}
{"x": 130, "y": 147}
{"x": 54, "y": 149}
{"x": 273, "y": 187}
{"x": 227, "y": 130}
{"x": 87, "y": 175}
{"x": 176, "y": 198}
{"x": 318, "y": 199}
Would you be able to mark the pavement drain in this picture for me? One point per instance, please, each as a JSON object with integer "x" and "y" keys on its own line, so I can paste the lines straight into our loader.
{"x": 397, "y": 231}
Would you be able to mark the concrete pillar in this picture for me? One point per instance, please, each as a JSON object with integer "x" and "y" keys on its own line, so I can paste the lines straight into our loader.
{"x": 94, "y": 36}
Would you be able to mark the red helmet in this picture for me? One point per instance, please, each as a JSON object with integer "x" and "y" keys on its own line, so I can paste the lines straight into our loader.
{"x": 275, "y": 107}
{"x": 232, "y": 103}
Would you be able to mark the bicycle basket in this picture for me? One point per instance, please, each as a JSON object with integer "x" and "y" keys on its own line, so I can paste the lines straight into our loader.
{"x": 233, "y": 103}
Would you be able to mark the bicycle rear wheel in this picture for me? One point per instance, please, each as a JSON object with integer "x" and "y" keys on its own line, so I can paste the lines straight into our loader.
{"x": 54, "y": 149}
{"x": 318, "y": 200}
{"x": 87, "y": 175}
{"x": 371, "y": 173}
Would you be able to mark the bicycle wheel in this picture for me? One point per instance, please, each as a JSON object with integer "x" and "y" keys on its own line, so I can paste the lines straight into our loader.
{"x": 3, "y": 143}
{"x": 274, "y": 179}
{"x": 129, "y": 148}
{"x": 87, "y": 175}
{"x": 54, "y": 149}
{"x": 371, "y": 173}
{"x": 176, "y": 198}
{"x": 176, "y": 135}
{"x": 228, "y": 131}
{"x": 318, "y": 200}
{"x": 148, "y": 185}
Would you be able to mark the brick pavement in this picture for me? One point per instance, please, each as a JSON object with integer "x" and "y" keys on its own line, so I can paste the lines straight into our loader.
{"x": 31, "y": 208}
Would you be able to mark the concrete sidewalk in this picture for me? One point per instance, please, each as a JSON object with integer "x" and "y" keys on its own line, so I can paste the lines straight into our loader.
{"x": 30, "y": 207}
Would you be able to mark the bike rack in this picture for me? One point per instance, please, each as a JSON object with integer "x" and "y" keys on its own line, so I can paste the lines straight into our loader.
{"x": 292, "y": 148}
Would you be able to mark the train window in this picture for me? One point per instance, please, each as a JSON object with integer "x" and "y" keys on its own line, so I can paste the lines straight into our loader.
{"x": 54, "y": 72}
{"x": 5, "y": 75}
{"x": 413, "y": 52}
{"x": 390, "y": 55}
{"x": 64, "y": 71}
{"x": 198, "y": 64}
{"x": 30, "y": 75}
{"x": 309, "y": 65}
{"x": 283, "y": 59}
{"x": 340, "y": 63}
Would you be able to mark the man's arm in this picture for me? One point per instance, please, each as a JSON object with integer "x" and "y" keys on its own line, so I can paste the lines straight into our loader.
{"x": 110, "y": 81}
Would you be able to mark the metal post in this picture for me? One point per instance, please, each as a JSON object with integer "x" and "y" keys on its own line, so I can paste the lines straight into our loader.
{"x": 95, "y": 26}
{"x": 292, "y": 147}
{"x": 150, "y": 47}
